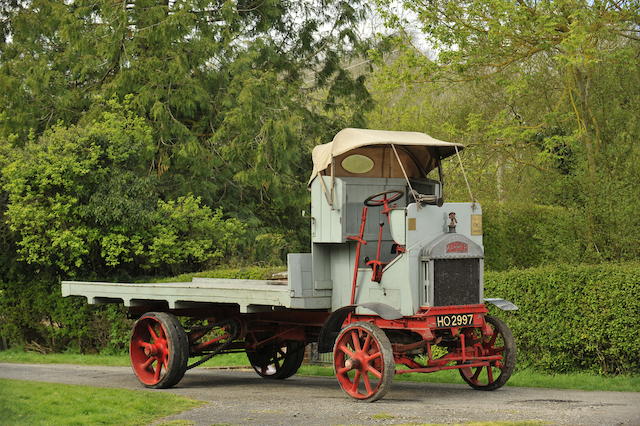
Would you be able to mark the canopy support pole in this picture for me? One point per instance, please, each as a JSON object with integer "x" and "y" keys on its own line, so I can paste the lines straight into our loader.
{"x": 464, "y": 174}
{"x": 395, "y": 151}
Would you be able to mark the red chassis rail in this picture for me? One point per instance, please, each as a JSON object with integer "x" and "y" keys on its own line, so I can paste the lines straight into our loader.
{"x": 466, "y": 350}
{"x": 465, "y": 347}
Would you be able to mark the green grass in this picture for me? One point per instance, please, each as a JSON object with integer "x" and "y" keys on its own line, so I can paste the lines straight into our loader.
{"x": 37, "y": 403}
{"x": 17, "y": 355}
{"x": 523, "y": 378}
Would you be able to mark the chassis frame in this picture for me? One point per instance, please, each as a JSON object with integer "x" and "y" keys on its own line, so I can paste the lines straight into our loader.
{"x": 366, "y": 347}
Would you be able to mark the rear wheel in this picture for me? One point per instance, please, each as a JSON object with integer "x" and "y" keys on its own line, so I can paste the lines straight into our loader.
{"x": 279, "y": 360}
{"x": 363, "y": 361}
{"x": 159, "y": 350}
{"x": 497, "y": 373}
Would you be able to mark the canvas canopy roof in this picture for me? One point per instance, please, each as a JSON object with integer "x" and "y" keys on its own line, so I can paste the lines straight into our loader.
{"x": 350, "y": 139}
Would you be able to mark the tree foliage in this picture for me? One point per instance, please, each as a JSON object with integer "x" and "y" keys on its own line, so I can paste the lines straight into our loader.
{"x": 545, "y": 92}
{"x": 145, "y": 138}
{"x": 78, "y": 197}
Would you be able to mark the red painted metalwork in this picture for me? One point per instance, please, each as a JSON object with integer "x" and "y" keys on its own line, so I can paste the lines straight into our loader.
{"x": 457, "y": 247}
{"x": 360, "y": 239}
{"x": 470, "y": 352}
{"x": 149, "y": 350}
{"x": 205, "y": 345}
{"x": 377, "y": 265}
{"x": 357, "y": 350}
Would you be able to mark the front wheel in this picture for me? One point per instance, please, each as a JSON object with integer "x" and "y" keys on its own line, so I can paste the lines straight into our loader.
{"x": 497, "y": 373}
{"x": 363, "y": 361}
{"x": 159, "y": 350}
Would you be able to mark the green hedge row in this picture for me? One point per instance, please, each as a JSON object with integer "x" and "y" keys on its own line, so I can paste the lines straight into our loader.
{"x": 528, "y": 235}
{"x": 573, "y": 317}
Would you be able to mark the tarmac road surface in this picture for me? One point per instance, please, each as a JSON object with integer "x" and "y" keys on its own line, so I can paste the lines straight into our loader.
{"x": 241, "y": 397}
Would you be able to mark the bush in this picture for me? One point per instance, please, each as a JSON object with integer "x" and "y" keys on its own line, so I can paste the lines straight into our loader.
{"x": 80, "y": 201}
{"x": 528, "y": 235}
{"x": 35, "y": 315}
{"x": 573, "y": 317}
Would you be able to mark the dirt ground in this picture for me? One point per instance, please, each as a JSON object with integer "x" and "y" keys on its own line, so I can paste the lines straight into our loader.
{"x": 241, "y": 397}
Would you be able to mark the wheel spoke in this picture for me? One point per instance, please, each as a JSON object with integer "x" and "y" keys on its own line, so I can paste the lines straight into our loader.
{"x": 374, "y": 372}
{"x": 374, "y": 356}
{"x": 476, "y": 374}
{"x": 152, "y": 332}
{"x": 343, "y": 370}
{"x": 367, "y": 342}
{"x": 148, "y": 363}
{"x": 156, "y": 375}
{"x": 367, "y": 383}
{"x": 344, "y": 349}
{"x": 356, "y": 341}
{"x": 493, "y": 338}
{"x": 490, "y": 374}
{"x": 356, "y": 381}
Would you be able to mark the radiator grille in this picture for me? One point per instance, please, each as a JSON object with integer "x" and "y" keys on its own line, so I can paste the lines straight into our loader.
{"x": 456, "y": 282}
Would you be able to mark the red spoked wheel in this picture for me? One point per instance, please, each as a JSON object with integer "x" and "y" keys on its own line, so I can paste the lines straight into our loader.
{"x": 159, "y": 350}
{"x": 363, "y": 361}
{"x": 497, "y": 373}
{"x": 279, "y": 360}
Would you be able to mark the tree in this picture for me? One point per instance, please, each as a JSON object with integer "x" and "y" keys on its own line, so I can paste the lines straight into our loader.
{"x": 196, "y": 70}
{"x": 556, "y": 71}
{"x": 145, "y": 137}
{"x": 479, "y": 39}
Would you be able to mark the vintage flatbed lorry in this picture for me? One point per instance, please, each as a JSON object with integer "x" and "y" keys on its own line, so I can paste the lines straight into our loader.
{"x": 394, "y": 277}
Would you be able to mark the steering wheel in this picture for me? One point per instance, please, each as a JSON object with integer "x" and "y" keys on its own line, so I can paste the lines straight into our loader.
{"x": 375, "y": 201}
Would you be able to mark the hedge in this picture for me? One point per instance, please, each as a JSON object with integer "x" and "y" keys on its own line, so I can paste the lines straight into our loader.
{"x": 528, "y": 235}
{"x": 573, "y": 317}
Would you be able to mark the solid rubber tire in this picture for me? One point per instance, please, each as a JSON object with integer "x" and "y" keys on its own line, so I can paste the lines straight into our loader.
{"x": 509, "y": 357}
{"x": 178, "y": 344}
{"x": 292, "y": 362}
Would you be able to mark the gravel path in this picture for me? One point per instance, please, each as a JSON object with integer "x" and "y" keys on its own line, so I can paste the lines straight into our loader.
{"x": 241, "y": 397}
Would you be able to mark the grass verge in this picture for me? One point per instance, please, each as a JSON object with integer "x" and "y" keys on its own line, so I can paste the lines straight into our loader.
{"x": 523, "y": 378}
{"x": 37, "y": 403}
{"x": 17, "y": 355}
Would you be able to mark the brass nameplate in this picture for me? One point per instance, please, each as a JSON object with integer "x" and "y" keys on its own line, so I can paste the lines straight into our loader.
{"x": 476, "y": 224}
{"x": 411, "y": 224}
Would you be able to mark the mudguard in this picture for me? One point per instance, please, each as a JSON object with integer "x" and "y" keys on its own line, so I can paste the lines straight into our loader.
{"x": 505, "y": 305}
{"x": 333, "y": 324}
{"x": 385, "y": 311}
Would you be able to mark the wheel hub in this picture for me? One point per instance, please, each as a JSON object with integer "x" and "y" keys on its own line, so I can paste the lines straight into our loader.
{"x": 154, "y": 349}
{"x": 353, "y": 363}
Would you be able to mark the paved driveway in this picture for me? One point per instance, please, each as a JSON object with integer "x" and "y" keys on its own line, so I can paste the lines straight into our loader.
{"x": 241, "y": 397}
